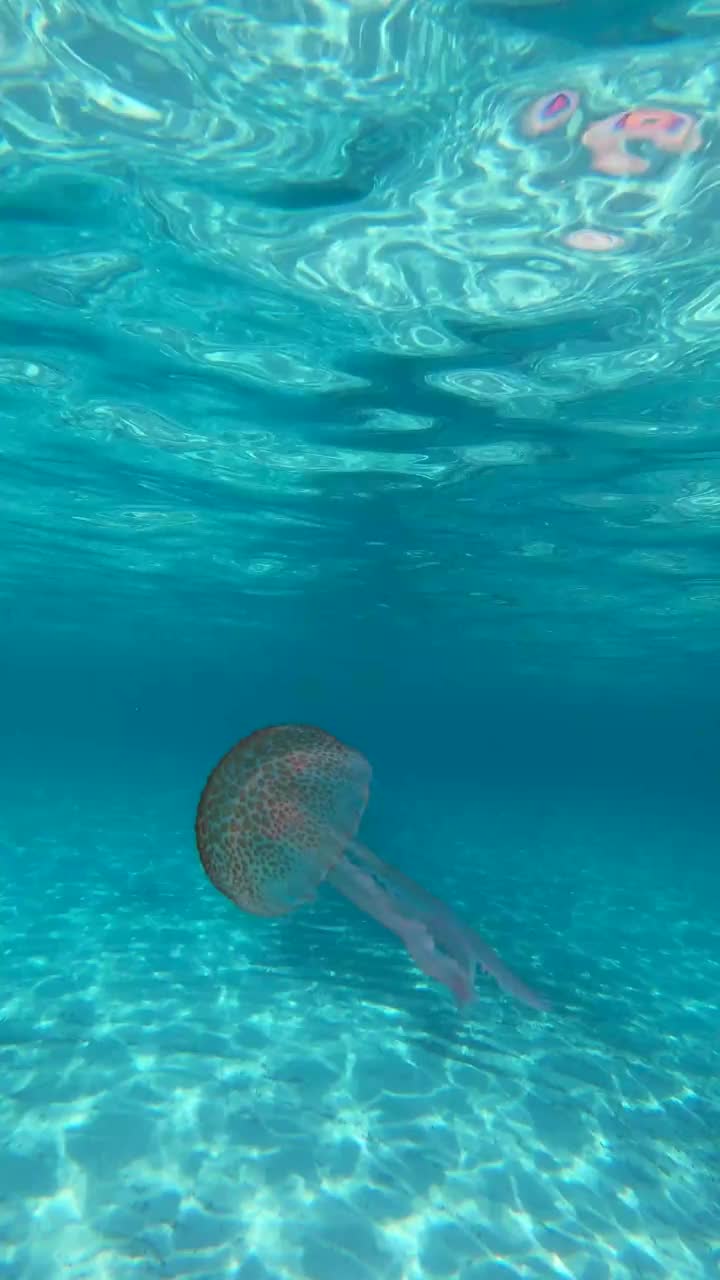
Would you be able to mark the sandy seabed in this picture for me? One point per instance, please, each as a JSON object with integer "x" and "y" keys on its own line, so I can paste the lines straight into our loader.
{"x": 190, "y": 1093}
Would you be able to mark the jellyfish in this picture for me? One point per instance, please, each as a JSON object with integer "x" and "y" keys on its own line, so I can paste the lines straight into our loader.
{"x": 279, "y": 816}
{"x": 672, "y": 131}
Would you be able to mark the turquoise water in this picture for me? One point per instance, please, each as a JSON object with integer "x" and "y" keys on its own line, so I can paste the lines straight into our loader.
{"x": 342, "y": 384}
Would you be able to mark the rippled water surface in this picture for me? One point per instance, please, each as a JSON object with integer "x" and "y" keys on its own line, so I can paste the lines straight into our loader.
{"x": 291, "y": 316}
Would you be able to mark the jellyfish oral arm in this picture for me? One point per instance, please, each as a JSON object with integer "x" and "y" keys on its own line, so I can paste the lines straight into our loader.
{"x": 425, "y": 924}
{"x": 367, "y": 893}
{"x": 455, "y": 936}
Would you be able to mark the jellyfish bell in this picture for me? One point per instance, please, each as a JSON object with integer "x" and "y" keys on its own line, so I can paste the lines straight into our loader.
{"x": 279, "y": 816}
{"x": 276, "y": 814}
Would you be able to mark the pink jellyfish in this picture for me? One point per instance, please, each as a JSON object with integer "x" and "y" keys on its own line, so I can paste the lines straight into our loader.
{"x": 667, "y": 130}
{"x": 591, "y": 240}
{"x": 279, "y": 814}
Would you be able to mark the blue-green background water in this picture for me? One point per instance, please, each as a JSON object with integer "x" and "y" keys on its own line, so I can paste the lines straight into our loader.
{"x": 309, "y": 412}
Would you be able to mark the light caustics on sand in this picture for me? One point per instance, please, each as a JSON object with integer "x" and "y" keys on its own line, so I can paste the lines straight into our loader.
{"x": 279, "y": 814}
